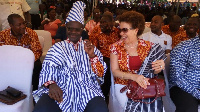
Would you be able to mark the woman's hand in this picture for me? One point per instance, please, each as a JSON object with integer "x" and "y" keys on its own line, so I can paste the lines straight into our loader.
{"x": 89, "y": 48}
{"x": 158, "y": 66}
{"x": 55, "y": 92}
{"x": 45, "y": 22}
{"x": 142, "y": 81}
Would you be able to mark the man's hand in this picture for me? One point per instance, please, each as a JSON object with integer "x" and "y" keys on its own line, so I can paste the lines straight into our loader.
{"x": 89, "y": 48}
{"x": 55, "y": 92}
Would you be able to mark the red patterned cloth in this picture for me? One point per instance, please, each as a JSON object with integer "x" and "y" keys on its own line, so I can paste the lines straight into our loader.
{"x": 103, "y": 41}
{"x": 123, "y": 57}
{"x": 28, "y": 40}
{"x": 178, "y": 38}
{"x": 166, "y": 30}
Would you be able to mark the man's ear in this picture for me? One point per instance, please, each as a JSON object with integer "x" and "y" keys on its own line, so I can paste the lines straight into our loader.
{"x": 162, "y": 24}
{"x": 11, "y": 25}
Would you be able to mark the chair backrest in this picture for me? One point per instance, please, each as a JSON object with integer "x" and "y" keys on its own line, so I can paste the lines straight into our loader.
{"x": 146, "y": 29}
{"x": 114, "y": 105}
{"x": 47, "y": 42}
{"x": 167, "y": 63}
{"x": 16, "y": 67}
{"x": 47, "y": 39}
{"x": 41, "y": 39}
{"x": 167, "y": 102}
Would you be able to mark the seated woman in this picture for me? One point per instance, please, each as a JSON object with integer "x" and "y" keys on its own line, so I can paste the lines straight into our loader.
{"x": 50, "y": 23}
{"x": 137, "y": 60}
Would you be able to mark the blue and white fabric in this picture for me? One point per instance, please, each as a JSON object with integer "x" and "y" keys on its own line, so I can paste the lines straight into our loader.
{"x": 156, "y": 53}
{"x": 72, "y": 72}
{"x": 185, "y": 66}
{"x": 77, "y": 12}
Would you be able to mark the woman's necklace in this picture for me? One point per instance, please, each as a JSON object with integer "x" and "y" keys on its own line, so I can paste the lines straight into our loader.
{"x": 134, "y": 46}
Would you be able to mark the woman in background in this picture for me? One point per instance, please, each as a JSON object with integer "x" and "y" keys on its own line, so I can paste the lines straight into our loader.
{"x": 50, "y": 23}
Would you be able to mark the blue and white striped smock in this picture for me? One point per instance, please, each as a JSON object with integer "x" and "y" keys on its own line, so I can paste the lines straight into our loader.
{"x": 185, "y": 66}
{"x": 72, "y": 72}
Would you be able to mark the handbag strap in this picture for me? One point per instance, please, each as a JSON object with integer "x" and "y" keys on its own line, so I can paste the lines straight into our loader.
{"x": 123, "y": 89}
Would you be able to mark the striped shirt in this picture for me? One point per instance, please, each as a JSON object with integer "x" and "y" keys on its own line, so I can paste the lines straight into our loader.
{"x": 74, "y": 72}
{"x": 185, "y": 66}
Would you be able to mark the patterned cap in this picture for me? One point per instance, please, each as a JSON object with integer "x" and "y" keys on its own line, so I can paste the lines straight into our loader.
{"x": 77, "y": 12}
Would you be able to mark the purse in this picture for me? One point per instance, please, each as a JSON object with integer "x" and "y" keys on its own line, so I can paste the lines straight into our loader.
{"x": 11, "y": 96}
{"x": 137, "y": 93}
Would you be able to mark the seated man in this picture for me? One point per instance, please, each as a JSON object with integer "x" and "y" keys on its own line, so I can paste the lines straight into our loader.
{"x": 173, "y": 28}
{"x": 156, "y": 35}
{"x": 191, "y": 28}
{"x": 68, "y": 80}
{"x": 184, "y": 78}
{"x": 102, "y": 37}
{"x": 20, "y": 35}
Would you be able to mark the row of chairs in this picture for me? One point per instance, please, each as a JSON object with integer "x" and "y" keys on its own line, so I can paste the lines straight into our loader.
{"x": 17, "y": 65}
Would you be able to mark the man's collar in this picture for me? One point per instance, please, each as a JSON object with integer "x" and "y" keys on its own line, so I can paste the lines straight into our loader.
{"x": 14, "y": 36}
{"x": 156, "y": 34}
{"x": 68, "y": 41}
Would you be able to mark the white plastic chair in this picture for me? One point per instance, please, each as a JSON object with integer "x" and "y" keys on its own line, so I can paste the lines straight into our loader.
{"x": 113, "y": 105}
{"x": 47, "y": 42}
{"x": 146, "y": 29}
{"x": 167, "y": 102}
{"x": 41, "y": 39}
{"x": 16, "y": 67}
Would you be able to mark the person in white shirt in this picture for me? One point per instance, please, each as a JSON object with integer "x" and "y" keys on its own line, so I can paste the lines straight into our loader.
{"x": 156, "y": 35}
{"x": 8, "y": 7}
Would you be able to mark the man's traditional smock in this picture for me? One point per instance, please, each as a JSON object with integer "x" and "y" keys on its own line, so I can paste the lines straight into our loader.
{"x": 74, "y": 72}
{"x": 185, "y": 67}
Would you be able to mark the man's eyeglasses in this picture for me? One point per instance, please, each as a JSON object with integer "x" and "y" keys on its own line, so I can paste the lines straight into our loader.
{"x": 125, "y": 30}
{"x": 74, "y": 29}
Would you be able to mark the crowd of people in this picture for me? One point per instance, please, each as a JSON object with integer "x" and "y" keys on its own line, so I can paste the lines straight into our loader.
{"x": 90, "y": 45}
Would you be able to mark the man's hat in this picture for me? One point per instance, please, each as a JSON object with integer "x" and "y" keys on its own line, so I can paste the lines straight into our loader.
{"x": 77, "y": 12}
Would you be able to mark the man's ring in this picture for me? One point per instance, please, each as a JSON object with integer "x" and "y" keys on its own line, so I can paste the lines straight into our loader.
{"x": 160, "y": 66}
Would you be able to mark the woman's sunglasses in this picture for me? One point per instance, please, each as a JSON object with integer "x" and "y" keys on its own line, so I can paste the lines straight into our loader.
{"x": 125, "y": 30}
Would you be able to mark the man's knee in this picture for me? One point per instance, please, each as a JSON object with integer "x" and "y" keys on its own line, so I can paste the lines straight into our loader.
{"x": 97, "y": 104}
{"x": 46, "y": 104}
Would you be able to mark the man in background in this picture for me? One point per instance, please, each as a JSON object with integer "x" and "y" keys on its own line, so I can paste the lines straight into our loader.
{"x": 102, "y": 37}
{"x": 20, "y": 35}
{"x": 156, "y": 35}
{"x": 35, "y": 10}
{"x": 8, "y": 7}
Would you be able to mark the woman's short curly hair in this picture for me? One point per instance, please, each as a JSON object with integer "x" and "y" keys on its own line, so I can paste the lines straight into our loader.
{"x": 136, "y": 20}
